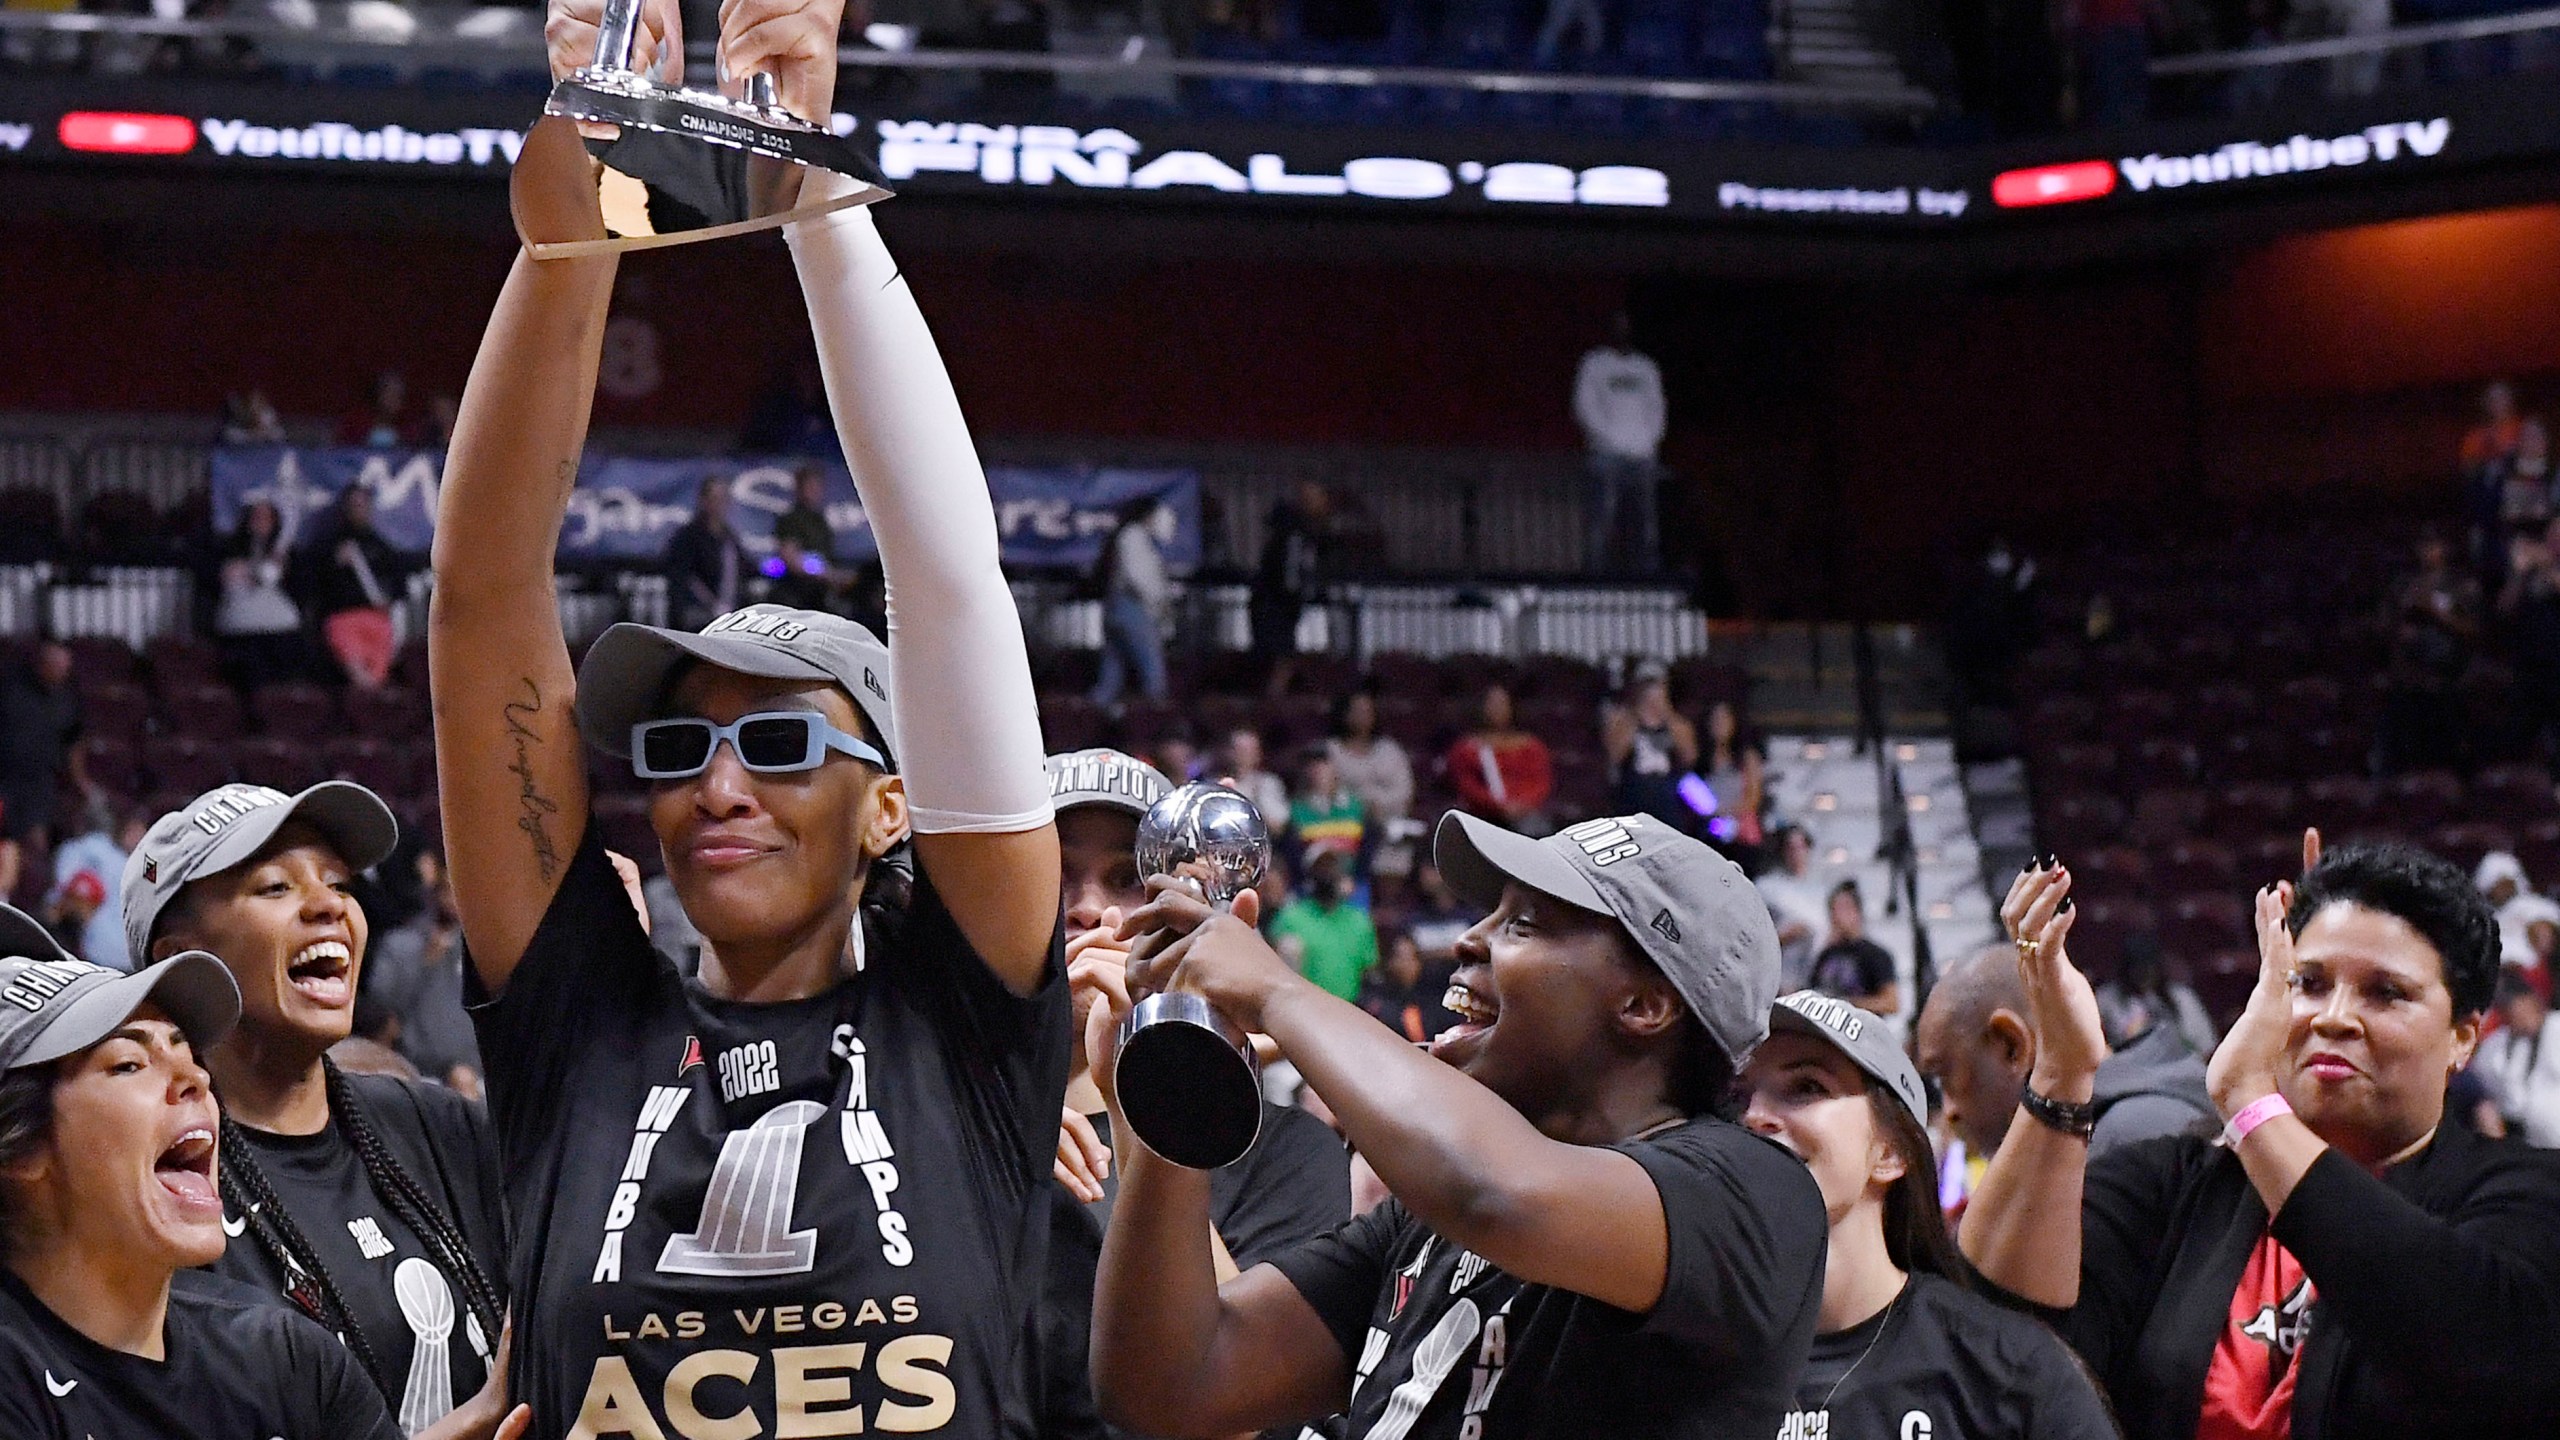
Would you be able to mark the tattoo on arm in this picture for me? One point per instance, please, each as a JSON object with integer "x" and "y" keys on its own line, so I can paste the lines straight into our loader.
{"x": 535, "y": 809}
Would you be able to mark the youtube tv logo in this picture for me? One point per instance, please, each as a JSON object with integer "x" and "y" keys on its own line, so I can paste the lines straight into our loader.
{"x": 2052, "y": 184}
{"x": 115, "y": 132}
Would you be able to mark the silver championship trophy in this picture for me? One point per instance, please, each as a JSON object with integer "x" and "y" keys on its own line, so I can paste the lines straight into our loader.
{"x": 679, "y": 165}
{"x": 1185, "y": 1075}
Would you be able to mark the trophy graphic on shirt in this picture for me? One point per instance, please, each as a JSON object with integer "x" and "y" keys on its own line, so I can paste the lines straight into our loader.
{"x": 678, "y": 165}
{"x": 1185, "y": 1073}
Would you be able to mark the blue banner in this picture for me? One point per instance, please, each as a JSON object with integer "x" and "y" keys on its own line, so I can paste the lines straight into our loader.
{"x": 624, "y": 509}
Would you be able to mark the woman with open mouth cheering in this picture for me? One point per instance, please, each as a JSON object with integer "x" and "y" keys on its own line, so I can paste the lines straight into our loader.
{"x": 369, "y": 1203}
{"x": 108, "y": 1146}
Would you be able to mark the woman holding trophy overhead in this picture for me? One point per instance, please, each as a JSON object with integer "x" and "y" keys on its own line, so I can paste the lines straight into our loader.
{"x": 801, "y": 1193}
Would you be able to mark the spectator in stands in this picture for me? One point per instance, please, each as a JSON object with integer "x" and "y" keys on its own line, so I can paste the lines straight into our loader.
{"x": 255, "y": 621}
{"x": 415, "y": 972}
{"x": 1325, "y": 818}
{"x": 1176, "y": 756}
{"x": 1565, "y": 15}
{"x": 1617, "y": 399}
{"x": 805, "y": 523}
{"x": 1371, "y": 764}
{"x": 1288, "y": 577}
{"x": 251, "y": 419}
{"x": 2435, "y": 619}
{"x": 1850, "y": 966}
{"x": 1503, "y": 773}
{"x": 2500, "y": 879}
{"x": 2522, "y": 1075}
{"x": 2144, "y": 998}
{"x": 706, "y": 564}
{"x": 383, "y": 421}
{"x": 2494, "y": 438}
{"x": 1137, "y": 604}
{"x": 2530, "y": 604}
{"x": 1329, "y": 939}
{"x": 1405, "y": 994}
{"x": 1976, "y": 1043}
{"x": 1994, "y": 619}
{"x": 347, "y": 575}
{"x": 797, "y": 578}
{"x": 1736, "y": 772}
{"x": 88, "y": 869}
{"x": 1797, "y": 906}
{"x": 1268, "y": 792}
{"x": 1651, "y": 747}
{"x": 1436, "y": 920}
{"x": 40, "y": 723}
{"x": 2343, "y": 1262}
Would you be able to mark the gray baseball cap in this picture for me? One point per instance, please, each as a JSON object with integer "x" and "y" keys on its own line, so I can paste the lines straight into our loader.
{"x": 1864, "y": 1038}
{"x": 52, "y": 1005}
{"x": 1691, "y": 911}
{"x": 625, "y": 675}
{"x": 226, "y": 825}
{"x": 1102, "y": 776}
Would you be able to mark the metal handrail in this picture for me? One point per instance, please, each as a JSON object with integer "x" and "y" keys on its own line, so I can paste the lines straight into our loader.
{"x": 526, "y": 41}
{"x": 2404, "y": 37}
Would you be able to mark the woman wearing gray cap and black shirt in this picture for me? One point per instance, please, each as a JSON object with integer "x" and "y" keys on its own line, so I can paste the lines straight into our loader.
{"x": 367, "y": 1202}
{"x": 804, "y": 1191}
{"x": 1578, "y": 1243}
{"x": 1903, "y": 1348}
{"x": 108, "y": 1148}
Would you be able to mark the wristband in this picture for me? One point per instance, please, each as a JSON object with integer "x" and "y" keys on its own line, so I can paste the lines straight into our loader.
{"x": 2252, "y": 1115}
{"x": 2078, "y": 1120}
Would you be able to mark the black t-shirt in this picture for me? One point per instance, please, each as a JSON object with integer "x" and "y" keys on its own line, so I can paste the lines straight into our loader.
{"x": 1292, "y": 1187}
{"x": 410, "y": 1309}
{"x": 1853, "y": 968}
{"x": 1436, "y": 1334}
{"x": 770, "y": 1219}
{"x": 237, "y": 1369}
{"x": 1940, "y": 1363}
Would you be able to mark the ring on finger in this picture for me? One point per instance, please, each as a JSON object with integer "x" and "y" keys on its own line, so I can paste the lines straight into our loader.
{"x": 2027, "y": 949}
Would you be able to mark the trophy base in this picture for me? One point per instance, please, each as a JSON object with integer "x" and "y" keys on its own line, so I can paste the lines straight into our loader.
{"x": 1186, "y": 1087}
{"x": 680, "y": 166}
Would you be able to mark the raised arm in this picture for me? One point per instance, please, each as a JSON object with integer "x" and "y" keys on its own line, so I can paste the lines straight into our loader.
{"x": 968, "y": 720}
{"x": 510, "y": 775}
{"x": 2022, "y": 1228}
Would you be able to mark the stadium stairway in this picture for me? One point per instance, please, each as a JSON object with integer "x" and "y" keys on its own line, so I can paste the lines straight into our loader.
{"x": 1846, "y": 801}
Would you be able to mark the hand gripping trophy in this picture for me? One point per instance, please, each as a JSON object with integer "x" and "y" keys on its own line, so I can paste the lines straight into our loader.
{"x": 673, "y": 165}
{"x": 1185, "y": 1075}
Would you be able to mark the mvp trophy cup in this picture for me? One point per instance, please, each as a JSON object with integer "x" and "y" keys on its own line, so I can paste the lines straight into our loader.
{"x": 1185, "y": 1075}
{"x": 676, "y": 165}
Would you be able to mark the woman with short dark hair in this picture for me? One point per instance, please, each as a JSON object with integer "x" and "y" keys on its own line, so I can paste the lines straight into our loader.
{"x": 108, "y": 1148}
{"x": 2340, "y": 1263}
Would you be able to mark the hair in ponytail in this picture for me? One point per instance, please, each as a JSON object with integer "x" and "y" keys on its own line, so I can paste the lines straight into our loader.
{"x": 309, "y": 1283}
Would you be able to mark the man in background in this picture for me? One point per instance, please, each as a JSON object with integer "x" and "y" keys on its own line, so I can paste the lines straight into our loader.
{"x": 1617, "y": 399}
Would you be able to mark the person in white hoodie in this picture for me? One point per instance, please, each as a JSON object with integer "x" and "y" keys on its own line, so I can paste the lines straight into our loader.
{"x": 2501, "y": 879}
{"x": 1617, "y": 399}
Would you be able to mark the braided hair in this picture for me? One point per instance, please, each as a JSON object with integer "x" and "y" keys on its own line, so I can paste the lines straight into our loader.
{"x": 310, "y": 1285}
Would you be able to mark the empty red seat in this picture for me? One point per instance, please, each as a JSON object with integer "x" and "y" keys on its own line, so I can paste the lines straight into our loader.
{"x": 2156, "y": 761}
{"x": 2208, "y": 921}
{"x": 2340, "y": 802}
{"x": 2197, "y": 865}
{"x": 2254, "y": 808}
{"x": 2131, "y": 716}
{"x": 2515, "y": 794}
{"x": 296, "y": 712}
{"x": 182, "y": 660}
{"x": 2464, "y": 844}
{"x": 2165, "y": 814}
{"x": 2109, "y": 872}
{"x": 2076, "y": 820}
{"x": 394, "y": 712}
{"x": 2056, "y": 718}
{"x": 201, "y": 709}
{"x": 2424, "y": 800}
{"x": 287, "y": 764}
{"x": 187, "y": 765}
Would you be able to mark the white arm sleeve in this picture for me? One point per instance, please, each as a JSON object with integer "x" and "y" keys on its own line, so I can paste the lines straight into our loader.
{"x": 968, "y": 722}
